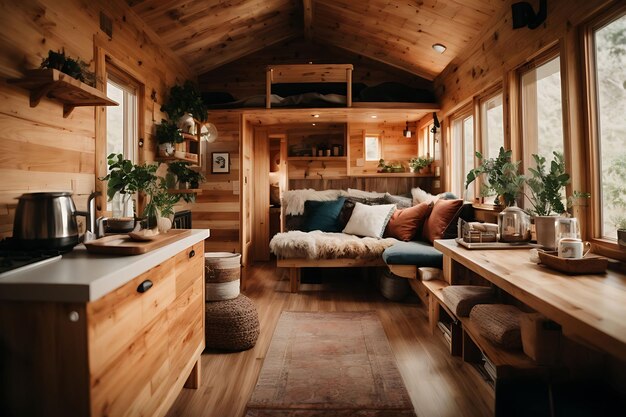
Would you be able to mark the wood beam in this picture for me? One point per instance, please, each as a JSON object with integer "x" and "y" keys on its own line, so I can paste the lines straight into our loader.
{"x": 308, "y": 19}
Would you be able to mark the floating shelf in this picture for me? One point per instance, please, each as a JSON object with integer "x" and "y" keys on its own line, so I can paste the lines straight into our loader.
{"x": 190, "y": 137}
{"x": 176, "y": 158}
{"x": 316, "y": 158}
{"x": 185, "y": 191}
{"x": 393, "y": 174}
{"x": 54, "y": 84}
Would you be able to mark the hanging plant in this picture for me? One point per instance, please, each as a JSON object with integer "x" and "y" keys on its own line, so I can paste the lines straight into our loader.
{"x": 185, "y": 99}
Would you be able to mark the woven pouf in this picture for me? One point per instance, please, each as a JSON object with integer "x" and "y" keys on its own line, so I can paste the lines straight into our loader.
{"x": 231, "y": 324}
{"x": 222, "y": 274}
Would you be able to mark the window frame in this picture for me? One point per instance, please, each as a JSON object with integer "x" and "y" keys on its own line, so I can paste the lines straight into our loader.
{"x": 602, "y": 245}
{"x": 461, "y": 116}
{"x": 104, "y": 63}
{"x": 379, "y": 138}
{"x": 545, "y": 56}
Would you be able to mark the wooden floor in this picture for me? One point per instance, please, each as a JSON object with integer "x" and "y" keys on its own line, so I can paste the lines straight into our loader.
{"x": 439, "y": 385}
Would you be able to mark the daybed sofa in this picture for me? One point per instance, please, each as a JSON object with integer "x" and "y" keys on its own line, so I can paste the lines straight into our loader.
{"x": 325, "y": 229}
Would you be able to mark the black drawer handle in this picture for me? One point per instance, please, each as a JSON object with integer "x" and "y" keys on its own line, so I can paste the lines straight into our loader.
{"x": 192, "y": 254}
{"x": 144, "y": 286}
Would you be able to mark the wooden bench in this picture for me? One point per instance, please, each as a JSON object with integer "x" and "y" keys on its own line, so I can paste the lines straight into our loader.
{"x": 294, "y": 266}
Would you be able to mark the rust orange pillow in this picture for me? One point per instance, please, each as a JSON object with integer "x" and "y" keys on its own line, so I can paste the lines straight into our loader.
{"x": 444, "y": 211}
{"x": 406, "y": 223}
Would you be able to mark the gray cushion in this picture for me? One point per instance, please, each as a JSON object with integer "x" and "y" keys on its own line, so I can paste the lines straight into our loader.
{"x": 400, "y": 201}
{"x": 413, "y": 253}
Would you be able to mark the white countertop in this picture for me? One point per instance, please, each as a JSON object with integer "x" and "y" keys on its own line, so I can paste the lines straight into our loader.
{"x": 80, "y": 276}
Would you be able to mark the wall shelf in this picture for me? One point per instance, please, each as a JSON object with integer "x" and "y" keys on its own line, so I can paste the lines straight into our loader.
{"x": 393, "y": 175}
{"x": 190, "y": 137}
{"x": 317, "y": 158}
{"x": 69, "y": 91}
{"x": 177, "y": 158}
{"x": 185, "y": 191}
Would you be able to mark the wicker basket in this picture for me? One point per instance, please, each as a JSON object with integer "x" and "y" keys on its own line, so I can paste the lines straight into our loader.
{"x": 500, "y": 323}
{"x": 222, "y": 275}
{"x": 232, "y": 324}
{"x": 392, "y": 287}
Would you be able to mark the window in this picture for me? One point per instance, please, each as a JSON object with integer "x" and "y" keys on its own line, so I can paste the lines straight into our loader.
{"x": 462, "y": 154}
{"x": 121, "y": 124}
{"x": 492, "y": 125}
{"x": 373, "y": 148}
{"x": 121, "y": 121}
{"x": 609, "y": 74}
{"x": 542, "y": 111}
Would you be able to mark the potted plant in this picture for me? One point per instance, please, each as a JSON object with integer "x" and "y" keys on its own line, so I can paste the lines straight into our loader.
{"x": 167, "y": 134}
{"x": 159, "y": 210}
{"x": 185, "y": 99}
{"x": 545, "y": 187}
{"x": 124, "y": 180}
{"x": 75, "y": 68}
{"x": 502, "y": 177}
{"x": 416, "y": 164}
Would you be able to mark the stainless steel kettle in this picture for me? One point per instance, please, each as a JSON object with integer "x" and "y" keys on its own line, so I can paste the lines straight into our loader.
{"x": 47, "y": 220}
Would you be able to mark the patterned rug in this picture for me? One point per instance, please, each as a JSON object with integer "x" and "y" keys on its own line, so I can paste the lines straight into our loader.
{"x": 329, "y": 364}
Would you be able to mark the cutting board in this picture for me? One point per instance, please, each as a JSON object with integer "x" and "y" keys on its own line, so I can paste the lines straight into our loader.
{"x": 124, "y": 245}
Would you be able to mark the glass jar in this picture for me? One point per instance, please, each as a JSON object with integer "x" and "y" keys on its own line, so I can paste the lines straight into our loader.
{"x": 514, "y": 225}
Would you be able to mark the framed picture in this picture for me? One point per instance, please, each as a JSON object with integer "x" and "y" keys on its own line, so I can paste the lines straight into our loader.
{"x": 220, "y": 163}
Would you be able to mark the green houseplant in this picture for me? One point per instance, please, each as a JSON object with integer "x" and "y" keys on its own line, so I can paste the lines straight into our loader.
{"x": 501, "y": 174}
{"x": 183, "y": 99}
{"x": 416, "y": 164}
{"x": 546, "y": 195}
{"x": 126, "y": 179}
{"x": 167, "y": 134}
{"x": 75, "y": 68}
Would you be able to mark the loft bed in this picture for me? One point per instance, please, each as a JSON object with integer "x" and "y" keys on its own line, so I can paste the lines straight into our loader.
{"x": 320, "y": 86}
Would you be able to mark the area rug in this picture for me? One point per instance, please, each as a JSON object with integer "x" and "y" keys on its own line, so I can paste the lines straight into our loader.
{"x": 329, "y": 364}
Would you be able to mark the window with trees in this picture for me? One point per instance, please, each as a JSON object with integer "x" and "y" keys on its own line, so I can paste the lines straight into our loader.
{"x": 492, "y": 125}
{"x": 373, "y": 148}
{"x": 462, "y": 154}
{"x": 607, "y": 51}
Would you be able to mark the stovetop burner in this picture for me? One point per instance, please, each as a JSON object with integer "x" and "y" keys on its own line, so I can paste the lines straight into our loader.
{"x": 13, "y": 258}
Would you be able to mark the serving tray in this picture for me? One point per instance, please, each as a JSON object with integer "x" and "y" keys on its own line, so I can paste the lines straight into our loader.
{"x": 591, "y": 264}
{"x": 124, "y": 245}
{"x": 495, "y": 245}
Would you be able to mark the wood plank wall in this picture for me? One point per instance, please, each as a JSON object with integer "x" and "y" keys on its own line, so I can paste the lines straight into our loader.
{"x": 39, "y": 149}
{"x": 246, "y": 76}
{"x": 217, "y": 208}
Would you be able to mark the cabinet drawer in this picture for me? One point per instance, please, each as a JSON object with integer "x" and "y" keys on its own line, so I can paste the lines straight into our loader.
{"x": 189, "y": 266}
{"x": 116, "y": 319}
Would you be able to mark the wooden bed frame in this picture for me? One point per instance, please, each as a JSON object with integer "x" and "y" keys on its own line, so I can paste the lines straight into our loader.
{"x": 309, "y": 73}
{"x": 294, "y": 265}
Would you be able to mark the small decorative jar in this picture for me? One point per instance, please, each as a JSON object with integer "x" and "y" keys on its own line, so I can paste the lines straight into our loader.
{"x": 514, "y": 225}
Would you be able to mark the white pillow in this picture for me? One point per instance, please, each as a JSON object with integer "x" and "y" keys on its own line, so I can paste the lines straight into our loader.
{"x": 369, "y": 221}
{"x": 421, "y": 196}
{"x": 352, "y": 192}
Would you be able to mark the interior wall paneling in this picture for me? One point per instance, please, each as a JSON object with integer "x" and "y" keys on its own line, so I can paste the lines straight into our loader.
{"x": 218, "y": 207}
{"x": 261, "y": 192}
{"x": 41, "y": 150}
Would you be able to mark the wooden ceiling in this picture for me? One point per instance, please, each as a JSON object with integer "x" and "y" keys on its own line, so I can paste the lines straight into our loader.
{"x": 207, "y": 34}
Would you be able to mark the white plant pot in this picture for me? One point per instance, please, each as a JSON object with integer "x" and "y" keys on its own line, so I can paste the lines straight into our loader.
{"x": 166, "y": 149}
{"x": 545, "y": 228}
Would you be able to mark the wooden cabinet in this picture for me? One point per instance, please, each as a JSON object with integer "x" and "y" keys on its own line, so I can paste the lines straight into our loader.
{"x": 126, "y": 354}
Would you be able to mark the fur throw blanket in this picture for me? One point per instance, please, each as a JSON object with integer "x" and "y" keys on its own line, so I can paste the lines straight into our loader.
{"x": 321, "y": 245}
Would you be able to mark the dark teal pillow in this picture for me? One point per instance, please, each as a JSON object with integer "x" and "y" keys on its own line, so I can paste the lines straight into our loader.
{"x": 322, "y": 215}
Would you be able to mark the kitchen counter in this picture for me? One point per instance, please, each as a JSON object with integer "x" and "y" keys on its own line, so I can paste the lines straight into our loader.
{"x": 80, "y": 276}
